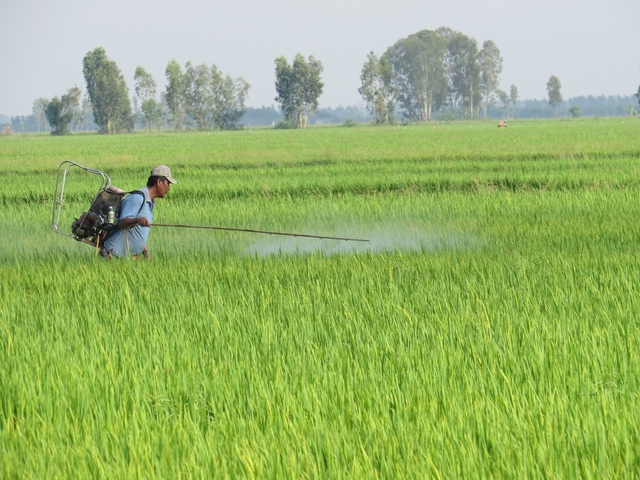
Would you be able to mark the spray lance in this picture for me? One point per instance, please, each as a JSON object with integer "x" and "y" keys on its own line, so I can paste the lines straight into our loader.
{"x": 246, "y": 230}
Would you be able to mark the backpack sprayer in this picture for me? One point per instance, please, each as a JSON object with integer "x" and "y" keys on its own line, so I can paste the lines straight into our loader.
{"x": 94, "y": 225}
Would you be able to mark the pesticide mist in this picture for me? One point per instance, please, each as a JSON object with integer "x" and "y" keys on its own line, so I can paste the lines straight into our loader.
{"x": 382, "y": 238}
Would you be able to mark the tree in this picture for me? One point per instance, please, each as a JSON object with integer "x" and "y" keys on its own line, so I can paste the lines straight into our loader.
{"x": 176, "y": 94}
{"x": 514, "y": 98}
{"x": 108, "y": 92}
{"x": 574, "y": 111}
{"x": 505, "y": 100}
{"x": 490, "y": 68}
{"x": 87, "y": 114}
{"x": 229, "y": 96}
{"x": 146, "y": 92}
{"x": 638, "y": 95}
{"x": 555, "y": 96}
{"x": 203, "y": 96}
{"x": 60, "y": 112}
{"x": 298, "y": 87}
{"x": 38, "y": 108}
{"x": 418, "y": 73}
{"x": 377, "y": 88}
{"x": 465, "y": 72}
{"x": 199, "y": 97}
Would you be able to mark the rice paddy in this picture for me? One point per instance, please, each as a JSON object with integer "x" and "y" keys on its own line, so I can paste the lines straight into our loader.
{"x": 489, "y": 330}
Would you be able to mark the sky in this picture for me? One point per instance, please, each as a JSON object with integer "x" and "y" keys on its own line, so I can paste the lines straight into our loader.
{"x": 591, "y": 45}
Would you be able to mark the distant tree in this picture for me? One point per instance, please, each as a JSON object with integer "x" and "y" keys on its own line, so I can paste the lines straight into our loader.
{"x": 17, "y": 123}
{"x": 38, "y": 108}
{"x": 87, "y": 114}
{"x": 298, "y": 87}
{"x": 165, "y": 114}
{"x": 574, "y": 111}
{"x": 514, "y": 99}
{"x": 465, "y": 72}
{"x": 146, "y": 92}
{"x": 176, "y": 94}
{"x": 60, "y": 112}
{"x": 377, "y": 88}
{"x": 108, "y": 92}
{"x": 553, "y": 89}
{"x": 199, "y": 97}
{"x": 418, "y": 73}
{"x": 638, "y": 95}
{"x": 631, "y": 109}
{"x": 204, "y": 97}
{"x": 229, "y": 97}
{"x": 490, "y": 68}
{"x": 505, "y": 100}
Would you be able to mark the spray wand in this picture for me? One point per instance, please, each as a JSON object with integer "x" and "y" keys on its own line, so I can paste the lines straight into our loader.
{"x": 246, "y": 230}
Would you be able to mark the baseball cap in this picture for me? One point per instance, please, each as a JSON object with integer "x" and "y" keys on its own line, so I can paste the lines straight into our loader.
{"x": 163, "y": 171}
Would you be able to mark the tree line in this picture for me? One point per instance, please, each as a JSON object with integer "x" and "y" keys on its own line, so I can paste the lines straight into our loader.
{"x": 430, "y": 74}
{"x": 434, "y": 71}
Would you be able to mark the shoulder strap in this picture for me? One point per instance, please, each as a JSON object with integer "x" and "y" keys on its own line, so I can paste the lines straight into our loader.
{"x": 138, "y": 192}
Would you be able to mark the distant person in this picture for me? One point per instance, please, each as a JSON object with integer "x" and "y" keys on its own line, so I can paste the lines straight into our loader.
{"x": 502, "y": 124}
{"x": 136, "y": 216}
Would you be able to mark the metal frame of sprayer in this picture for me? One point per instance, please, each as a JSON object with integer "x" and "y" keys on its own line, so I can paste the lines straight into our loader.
{"x": 58, "y": 199}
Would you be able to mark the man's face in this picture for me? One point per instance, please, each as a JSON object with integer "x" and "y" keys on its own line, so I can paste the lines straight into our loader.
{"x": 163, "y": 187}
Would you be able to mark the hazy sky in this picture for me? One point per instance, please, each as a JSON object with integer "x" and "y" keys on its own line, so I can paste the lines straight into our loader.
{"x": 593, "y": 46}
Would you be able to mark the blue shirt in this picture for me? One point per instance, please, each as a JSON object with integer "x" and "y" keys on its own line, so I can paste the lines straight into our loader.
{"x": 136, "y": 237}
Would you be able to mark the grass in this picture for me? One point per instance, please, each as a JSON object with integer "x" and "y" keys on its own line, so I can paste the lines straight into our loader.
{"x": 490, "y": 332}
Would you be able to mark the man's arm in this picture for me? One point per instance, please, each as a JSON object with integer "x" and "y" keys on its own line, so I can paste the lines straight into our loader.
{"x": 131, "y": 221}
{"x": 129, "y": 210}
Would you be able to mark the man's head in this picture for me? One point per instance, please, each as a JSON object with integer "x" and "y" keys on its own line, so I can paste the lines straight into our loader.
{"x": 160, "y": 181}
{"x": 163, "y": 171}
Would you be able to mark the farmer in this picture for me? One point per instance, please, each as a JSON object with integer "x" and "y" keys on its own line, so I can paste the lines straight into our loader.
{"x": 136, "y": 216}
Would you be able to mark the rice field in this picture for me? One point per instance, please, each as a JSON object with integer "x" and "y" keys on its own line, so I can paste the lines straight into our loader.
{"x": 489, "y": 329}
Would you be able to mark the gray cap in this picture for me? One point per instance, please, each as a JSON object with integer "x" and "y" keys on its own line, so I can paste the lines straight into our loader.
{"x": 163, "y": 171}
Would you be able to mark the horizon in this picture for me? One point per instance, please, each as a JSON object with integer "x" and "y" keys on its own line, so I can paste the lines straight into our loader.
{"x": 593, "y": 50}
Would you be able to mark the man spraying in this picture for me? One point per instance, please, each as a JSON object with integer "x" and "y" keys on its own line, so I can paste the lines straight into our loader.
{"x": 136, "y": 216}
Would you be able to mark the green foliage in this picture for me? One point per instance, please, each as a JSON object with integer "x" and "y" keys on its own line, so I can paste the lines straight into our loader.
{"x": 553, "y": 89}
{"x": 574, "y": 111}
{"x": 514, "y": 98}
{"x": 146, "y": 92}
{"x": 108, "y": 93}
{"x": 349, "y": 123}
{"x": 286, "y": 124}
{"x": 439, "y": 69}
{"x": 505, "y": 100}
{"x": 464, "y": 73}
{"x": 298, "y": 87}
{"x": 496, "y": 308}
{"x": 447, "y": 115}
{"x": 377, "y": 88}
{"x": 210, "y": 99}
{"x": 490, "y": 63}
{"x": 418, "y": 72}
{"x": 39, "y": 106}
{"x": 176, "y": 94}
{"x": 60, "y": 112}
{"x": 229, "y": 97}
{"x": 151, "y": 111}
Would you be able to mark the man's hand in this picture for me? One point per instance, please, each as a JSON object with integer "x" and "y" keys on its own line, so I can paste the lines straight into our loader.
{"x": 143, "y": 222}
{"x": 146, "y": 253}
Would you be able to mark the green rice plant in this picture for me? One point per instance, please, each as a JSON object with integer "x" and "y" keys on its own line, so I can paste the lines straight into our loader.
{"x": 489, "y": 330}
